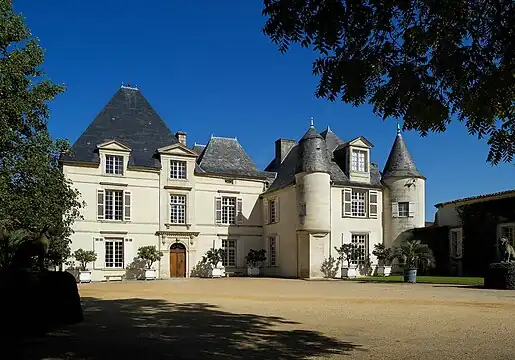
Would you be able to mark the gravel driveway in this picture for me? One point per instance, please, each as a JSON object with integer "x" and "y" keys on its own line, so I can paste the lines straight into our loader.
{"x": 253, "y": 318}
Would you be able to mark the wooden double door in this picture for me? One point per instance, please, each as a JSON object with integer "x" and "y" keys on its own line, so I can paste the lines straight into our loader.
{"x": 177, "y": 260}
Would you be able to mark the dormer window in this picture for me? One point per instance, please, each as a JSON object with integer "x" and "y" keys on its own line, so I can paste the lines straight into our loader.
{"x": 177, "y": 169}
{"x": 359, "y": 161}
{"x": 114, "y": 164}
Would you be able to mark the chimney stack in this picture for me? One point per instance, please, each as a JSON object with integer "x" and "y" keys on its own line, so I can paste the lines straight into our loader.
{"x": 282, "y": 148}
{"x": 181, "y": 137}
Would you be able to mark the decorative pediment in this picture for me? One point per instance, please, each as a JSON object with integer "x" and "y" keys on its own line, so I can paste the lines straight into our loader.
{"x": 361, "y": 141}
{"x": 177, "y": 150}
{"x": 113, "y": 145}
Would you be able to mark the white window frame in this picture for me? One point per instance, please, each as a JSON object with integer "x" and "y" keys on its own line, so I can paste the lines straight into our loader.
{"x": 110, "y": 260}
{"x": 508, "y": 230}
{"x": 456, "y": 244}
{"x": 114, "y": 164}
{"x": 178, "y": 169}
{"x": 360, "y": 240}
{"x": 229, "y": 210}
{"x": 403, "y": 212}
{"x": 359, "y": 160}
{"x": 231, "y": 252}
{"x": 178, "y": 208}
{"x": 359, "y": 201}
{"x": 272, "y": 250}
{"x": 114, "y": 205}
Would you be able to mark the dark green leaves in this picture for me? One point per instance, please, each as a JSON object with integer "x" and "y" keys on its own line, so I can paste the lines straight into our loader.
{"x": 428, "y": 62}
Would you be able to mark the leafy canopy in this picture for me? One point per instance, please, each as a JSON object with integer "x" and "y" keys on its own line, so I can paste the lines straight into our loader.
{"x": 425, "y": 61}
{"x": 34, "y": 194}
{"x": 149, "y": 254}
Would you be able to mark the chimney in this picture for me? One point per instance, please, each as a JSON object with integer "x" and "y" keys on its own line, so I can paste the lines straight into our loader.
{"x": 282, "y": 148}
{"x": 181, "y": 137}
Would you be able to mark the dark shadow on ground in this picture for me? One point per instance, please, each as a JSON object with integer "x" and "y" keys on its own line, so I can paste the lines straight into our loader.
{"x": 461, "y": 286}
{"x": 155, "y": 329}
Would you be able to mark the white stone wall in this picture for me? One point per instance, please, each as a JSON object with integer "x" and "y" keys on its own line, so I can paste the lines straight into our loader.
{"x": 314, "y": 190}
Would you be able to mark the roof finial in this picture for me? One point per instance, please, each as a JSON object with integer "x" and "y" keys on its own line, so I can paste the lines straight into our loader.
{"x": 398, "y": 129}
{"x": 328, "y": 128}
{"x": 312, "y": 123}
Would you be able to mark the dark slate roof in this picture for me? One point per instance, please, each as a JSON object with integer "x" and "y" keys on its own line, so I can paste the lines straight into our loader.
{"x": 197, "y": 148}
{"x": 312, "y": 153}
{"x": 286, "y": 172}
{"x": 129, "y": 119}
{"x": 400, "y": 163}
{"x": 225, "y": 156}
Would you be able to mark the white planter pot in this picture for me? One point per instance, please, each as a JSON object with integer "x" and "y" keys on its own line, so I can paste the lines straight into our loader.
{"x": 85, "y": 276}
{"x": 217, "y": 272}
{"x": 349, "y": 272}
{"x": 150, "y": 274}
{"x": 384, "y": 270}
{"x": 252, "y": 271}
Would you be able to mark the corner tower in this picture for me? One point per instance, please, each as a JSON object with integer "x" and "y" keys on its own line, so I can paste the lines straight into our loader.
{"x": 404, "y": 205}
{"x": 313, "y": 195}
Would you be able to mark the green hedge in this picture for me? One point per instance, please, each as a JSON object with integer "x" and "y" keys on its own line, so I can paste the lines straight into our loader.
{"x": 500, "y": 276}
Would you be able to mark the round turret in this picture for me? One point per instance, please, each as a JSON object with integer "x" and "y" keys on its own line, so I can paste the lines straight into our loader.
{"x": 313, "y": 183}
{"x": 404, "y": 203}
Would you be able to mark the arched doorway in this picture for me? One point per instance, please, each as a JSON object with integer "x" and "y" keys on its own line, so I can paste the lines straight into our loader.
{"x": 177, "y": 260}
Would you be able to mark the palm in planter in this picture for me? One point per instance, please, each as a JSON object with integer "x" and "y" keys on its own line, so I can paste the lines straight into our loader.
{"x": 214, "y": 258}
{"x": 384, "y": 257}
{"x": 255, "y": 258}
{"x": 347, "y": 253}
{"x": 84, "y": 257}
{"x": 150, "y": 255}
{"x": 411, "y": 254}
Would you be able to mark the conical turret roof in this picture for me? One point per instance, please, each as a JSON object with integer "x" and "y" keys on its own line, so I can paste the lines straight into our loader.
{"x": 313, "y": 155}
{"x": 400, "y": 163}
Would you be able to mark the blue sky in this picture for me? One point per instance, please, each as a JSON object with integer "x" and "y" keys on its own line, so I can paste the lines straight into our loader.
{"x": 206, "y": 68}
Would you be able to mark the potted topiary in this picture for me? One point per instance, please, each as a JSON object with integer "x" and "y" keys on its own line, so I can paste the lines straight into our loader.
{"x": 84, "y": 257}
{"x": 347, "y": 253}
{"x": 411, "y": 254}
{"x": 384, "y": 257}
{"x": 150, "y": 255}
{"x": 255, "y": 258}
{"x": 214, "y": 258}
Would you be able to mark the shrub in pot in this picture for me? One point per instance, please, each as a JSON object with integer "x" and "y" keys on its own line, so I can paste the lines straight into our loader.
{"x": 84, "y": 257}
{"x": 348, "y": 252}
{"x": 411, "y": 254}
{"x": 500, "y": 276}
{"x": 150, "y": 255}
{"x": 214, "y": 258}
{"x": 384, "y": 257}
{"x": 255, "y": 258}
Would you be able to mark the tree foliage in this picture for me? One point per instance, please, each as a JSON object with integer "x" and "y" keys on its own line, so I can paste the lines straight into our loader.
{"x": 34, "y": 194}
{"x": 150, "y": 255}
{"x": 425, "y": 61}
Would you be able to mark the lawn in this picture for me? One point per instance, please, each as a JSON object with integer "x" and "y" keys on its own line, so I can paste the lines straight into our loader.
{"x": 476, "y": 281}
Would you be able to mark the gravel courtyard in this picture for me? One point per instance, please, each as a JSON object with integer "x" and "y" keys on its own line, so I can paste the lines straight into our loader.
{"x": 242, "y": 318}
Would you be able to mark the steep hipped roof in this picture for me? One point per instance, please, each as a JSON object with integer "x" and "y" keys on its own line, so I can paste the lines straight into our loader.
{"x": 483, "y": 197}
{"x": 129, "y": 119}
{"x": 198, "y": 148}
{"x": 400, "y": 163}
{"x": 286, "y": 171}
{"x": 225, "y": 156}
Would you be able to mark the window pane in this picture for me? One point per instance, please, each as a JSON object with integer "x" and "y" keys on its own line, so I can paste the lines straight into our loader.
{"x": 177, "y": 169}
{"x": 178, "y": 209}
{"x": 228, "y": 210}
{"x": 360, "y": 241}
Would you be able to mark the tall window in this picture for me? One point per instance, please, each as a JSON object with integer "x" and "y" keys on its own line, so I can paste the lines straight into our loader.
{"x": 113, "y": 205}
{"x": 360, "y": 241}
{"x": 358, "y": 203}
{"x": 228, "y": 210}
{"x": 178, "y": 209}
{"x": 272, "y": 251}
{"x": 272, "y": 209}
{"x": 229, "y": 259}
{"x": 177, "y": 169}
{"x": 114, "y": 164}
{"x": 114, "y": 253}
{"x": 359, "y": 160}
{"x": 456, "y": 243}
{"x": 403, "y": 209}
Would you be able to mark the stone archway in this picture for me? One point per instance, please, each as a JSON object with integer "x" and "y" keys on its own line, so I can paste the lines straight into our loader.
{"x": 177, "y": 260}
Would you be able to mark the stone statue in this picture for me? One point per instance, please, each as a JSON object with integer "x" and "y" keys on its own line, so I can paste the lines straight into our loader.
{"x": 509, "y": 251}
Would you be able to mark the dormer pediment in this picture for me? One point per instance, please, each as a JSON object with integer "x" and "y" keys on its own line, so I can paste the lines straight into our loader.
{"x": 362, "y": 142}
{"x": 177, "y": 150}
{"x": 113, "y": 145}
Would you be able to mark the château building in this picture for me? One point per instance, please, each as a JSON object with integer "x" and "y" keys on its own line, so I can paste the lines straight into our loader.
{"x": 143, "y": 185}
